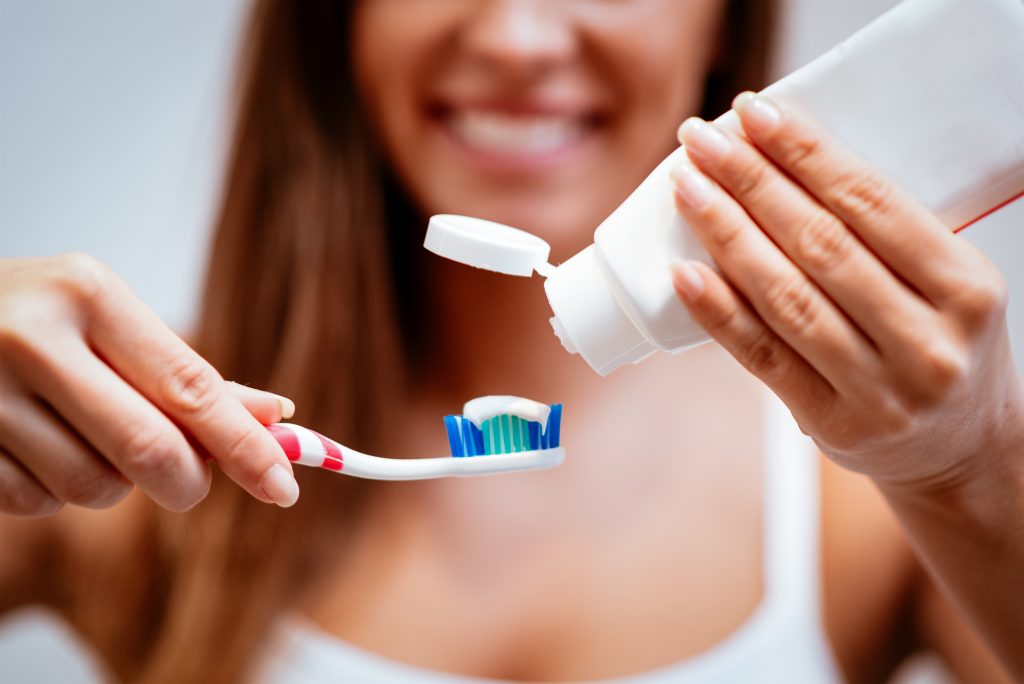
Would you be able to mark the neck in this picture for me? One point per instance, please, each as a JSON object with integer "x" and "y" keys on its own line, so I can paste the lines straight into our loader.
{"x": 493, "y": 336}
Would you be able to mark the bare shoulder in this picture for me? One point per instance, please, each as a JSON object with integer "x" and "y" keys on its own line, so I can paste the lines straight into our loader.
{"x": 869, "y": 576}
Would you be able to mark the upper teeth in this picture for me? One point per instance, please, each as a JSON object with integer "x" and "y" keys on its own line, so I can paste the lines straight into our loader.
{"x": 501, "y": 133}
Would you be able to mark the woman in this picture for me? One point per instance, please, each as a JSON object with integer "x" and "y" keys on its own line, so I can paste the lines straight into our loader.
{"x": 644, "y": 552}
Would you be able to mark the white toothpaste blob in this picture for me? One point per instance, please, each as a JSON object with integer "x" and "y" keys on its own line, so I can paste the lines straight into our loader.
{"x": 482, "y": 409}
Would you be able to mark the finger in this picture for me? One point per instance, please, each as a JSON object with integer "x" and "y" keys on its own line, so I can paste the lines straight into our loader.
{"x": 189, "y": 390}
{"x": 58, "y": 458}
{"x": 131, "y": 433}
{"x": 780, "y": 293}
{"x": 816, "y": 241}
{"x": 726, "y": 317}
{"x": 896, "y": 227}
{"x": 20, "y": 493}
{"x": 265, "y": 407}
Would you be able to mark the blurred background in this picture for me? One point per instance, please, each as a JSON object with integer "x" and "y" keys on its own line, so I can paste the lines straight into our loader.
{"x": 114, "y": 121}
{"x": 114, "y": 117}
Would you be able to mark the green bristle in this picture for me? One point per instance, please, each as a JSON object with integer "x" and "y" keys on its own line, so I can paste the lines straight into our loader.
{"x": 506, "y": 433}
{"x": 517, "y": 442}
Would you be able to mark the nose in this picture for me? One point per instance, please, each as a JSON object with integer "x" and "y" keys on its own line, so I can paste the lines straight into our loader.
{"x": 520, "y": 37}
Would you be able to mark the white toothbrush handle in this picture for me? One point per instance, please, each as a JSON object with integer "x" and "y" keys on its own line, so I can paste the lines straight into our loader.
{"x": 306, "y": 447}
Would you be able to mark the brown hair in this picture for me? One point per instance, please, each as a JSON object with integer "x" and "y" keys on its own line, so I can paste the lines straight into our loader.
{"x": 300, "y": 298}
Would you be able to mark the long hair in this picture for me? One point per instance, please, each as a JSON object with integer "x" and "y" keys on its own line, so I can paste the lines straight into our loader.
{"x": 301, "y": 298}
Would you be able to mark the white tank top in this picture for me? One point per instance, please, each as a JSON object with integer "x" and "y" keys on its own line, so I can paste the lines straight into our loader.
{"x": 783, "y": 640}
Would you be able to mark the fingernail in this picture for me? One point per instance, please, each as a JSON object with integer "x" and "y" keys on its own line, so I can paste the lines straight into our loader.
{"x": 287, "y": 406}
{"x": 703, "y": 139}
{"x": 280, "y": 486}
{"x": 692, "y": 186}
{"x": 757, "y": 111}
{"x": 687, "y": 279}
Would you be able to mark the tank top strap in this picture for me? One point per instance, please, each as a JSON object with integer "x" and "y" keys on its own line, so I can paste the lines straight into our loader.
{"x": 791, "y": 513}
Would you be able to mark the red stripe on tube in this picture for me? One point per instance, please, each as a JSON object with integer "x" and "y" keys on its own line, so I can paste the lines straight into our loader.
{"x": 993, "y": 210}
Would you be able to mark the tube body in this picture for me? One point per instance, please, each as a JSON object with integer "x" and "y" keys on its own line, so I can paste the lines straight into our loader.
{"x": 930, "y": 93}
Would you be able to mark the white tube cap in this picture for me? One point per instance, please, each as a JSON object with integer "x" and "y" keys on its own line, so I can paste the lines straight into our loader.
{"x": 488, "y": 245}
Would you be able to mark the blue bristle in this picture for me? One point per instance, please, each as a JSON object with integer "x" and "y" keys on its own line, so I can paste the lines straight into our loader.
{"x": 554, "y": 425}
{"x": 451, "y": 426}
{"x": 466, "y": 439}
{"x": 462, "y": 437}
{"x": 534, "y": 429}
{"x": 478, "y": 439}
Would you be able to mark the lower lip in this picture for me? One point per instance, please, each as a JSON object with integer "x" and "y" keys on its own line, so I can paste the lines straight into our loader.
{"x": 514, "y": 161}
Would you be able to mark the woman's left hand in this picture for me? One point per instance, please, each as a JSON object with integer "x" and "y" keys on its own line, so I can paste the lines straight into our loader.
{"x": 883, "y": 332}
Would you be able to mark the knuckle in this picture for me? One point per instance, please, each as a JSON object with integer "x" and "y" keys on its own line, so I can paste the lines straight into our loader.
{"x": 721, "y": 321}
{"x": 749, "y": 177}
{"x": 28, "y": 345}
{"x": 188, "y": 499}
{"x": 28, "y": 501}
{"x": 83, "y": 276}
{"x": 244, "y": 446}
{"x": 95, "y": 489}
{"x": 800, "y": 151}
{"x": 191, "y": 387}
{"x": 762, "y": 355}
{"x": 942, "y": 365}
{"x": 822, "y": 243}
{"x": 14, "y": 341}
{"x": 25, "y": 325}
{"x": 863, "y": 195}
{"x": 893, "y": 416}
{"x": 724, "y": 236}
{"x": 151, "y": 454}
{"x": 983, "y": 300}
{"x": 792, "y": 305}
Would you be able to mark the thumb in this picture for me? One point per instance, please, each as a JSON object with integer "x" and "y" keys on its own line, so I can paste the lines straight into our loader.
{"x": 265, "y": 407}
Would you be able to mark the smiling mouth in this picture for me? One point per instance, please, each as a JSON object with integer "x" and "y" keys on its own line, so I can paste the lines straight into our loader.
{"x": 524, "y": 137}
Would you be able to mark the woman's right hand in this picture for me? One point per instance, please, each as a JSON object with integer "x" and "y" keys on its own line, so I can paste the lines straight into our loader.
{"x": 97, "y": 394}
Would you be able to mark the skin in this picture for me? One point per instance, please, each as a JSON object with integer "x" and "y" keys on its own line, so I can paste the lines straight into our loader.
{"x": 613, "y": 65}
{"x": 899, "y": 367}
{"x": 916, "y": 393}
{"x": 99, "y": 394}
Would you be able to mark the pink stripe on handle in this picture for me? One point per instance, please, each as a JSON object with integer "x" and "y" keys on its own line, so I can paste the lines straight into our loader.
{"x": 288, "y": 441}
{"x": 333, "y": 460}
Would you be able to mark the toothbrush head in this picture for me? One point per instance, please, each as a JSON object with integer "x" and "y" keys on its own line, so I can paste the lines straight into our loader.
{"x": 504, "y": 432}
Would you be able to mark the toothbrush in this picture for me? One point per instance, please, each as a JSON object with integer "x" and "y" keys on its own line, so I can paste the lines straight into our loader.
{"x": 494, "y": 435}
